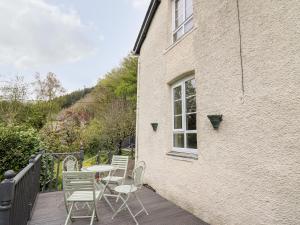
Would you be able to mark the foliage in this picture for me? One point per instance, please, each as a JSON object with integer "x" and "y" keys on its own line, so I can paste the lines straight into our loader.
{"x": 49, "y": 87}
{"x": 120, "y": 82}
{"x": 92, "y": 135}
{"x": 60, "y": 124}
{"x": 114, "y": 111}
{"x": 47, "y": 166}
{"x": 32, "y": 114}
{"x": 68, "y": 100}
{"x": 13, "y": 95}
{"x": 17, "y": 144}
{"x": 63, "y": 135}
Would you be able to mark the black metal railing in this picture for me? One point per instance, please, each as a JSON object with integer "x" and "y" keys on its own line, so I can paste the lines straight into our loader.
{"x": 18, "y": 193}
{"x": 52, "y": 169}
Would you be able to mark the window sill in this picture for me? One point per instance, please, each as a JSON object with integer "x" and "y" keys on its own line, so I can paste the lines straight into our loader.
{"x": 179, "y": 40}
{"x": 183, "y": 155}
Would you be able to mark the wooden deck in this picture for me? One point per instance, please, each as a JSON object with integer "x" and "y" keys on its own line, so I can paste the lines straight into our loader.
{"x": 50, "y": 210}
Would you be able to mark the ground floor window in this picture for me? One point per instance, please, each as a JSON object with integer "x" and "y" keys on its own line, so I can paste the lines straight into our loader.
{"x": 185, "y": 116}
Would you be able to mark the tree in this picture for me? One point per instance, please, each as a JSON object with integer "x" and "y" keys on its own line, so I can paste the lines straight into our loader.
{"x": 13, "y": 95}
{"x": 48, "y": 88}
{"x": 116, "y": 104}
{"x": 65, "y": 134}
{"x": 118, "y": 122}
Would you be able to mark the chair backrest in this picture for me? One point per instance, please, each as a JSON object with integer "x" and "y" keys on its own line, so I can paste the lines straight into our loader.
{"x": 78, "y": 181}
{"x": 70, "y": 163}
{"x": 141, "y": 163}
{"x": 138, "y": 174}
{"x": 120, "y": 161}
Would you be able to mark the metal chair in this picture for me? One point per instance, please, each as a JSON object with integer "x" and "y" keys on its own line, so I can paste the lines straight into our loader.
{"x": 70, "y": 163}
{"x": 79, "y": 187}
{"x": 121, "y": 163}
{"x": 128, "y": 190}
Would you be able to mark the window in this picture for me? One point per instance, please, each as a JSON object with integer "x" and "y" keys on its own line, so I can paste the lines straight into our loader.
{"x": 185, "y": 116}
{"x": 182, "y": 17}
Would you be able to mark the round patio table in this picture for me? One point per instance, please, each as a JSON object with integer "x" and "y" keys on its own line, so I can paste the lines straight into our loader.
{"x": 103, "y": 169}
{"x": 100, "y": 168}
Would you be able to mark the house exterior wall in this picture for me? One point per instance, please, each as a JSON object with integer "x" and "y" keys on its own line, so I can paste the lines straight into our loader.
{"x": 247, "y": 172}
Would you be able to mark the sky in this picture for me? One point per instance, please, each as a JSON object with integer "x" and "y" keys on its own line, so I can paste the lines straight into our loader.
{"x": 78, "y": 40}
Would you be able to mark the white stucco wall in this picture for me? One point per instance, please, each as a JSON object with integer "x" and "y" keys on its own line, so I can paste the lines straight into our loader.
{"x": 247, "y": 172}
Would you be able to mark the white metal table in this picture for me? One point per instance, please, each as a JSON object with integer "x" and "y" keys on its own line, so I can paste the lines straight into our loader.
{"x": 100, "y": 168}
{"x": 103, "y": 169}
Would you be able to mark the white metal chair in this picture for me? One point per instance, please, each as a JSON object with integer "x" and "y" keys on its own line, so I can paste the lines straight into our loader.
{"x": 128, "y": 190}
{"x": 79, "y": 187}
{"x": 70, "y": 163}
{"x": 121, "y": 163}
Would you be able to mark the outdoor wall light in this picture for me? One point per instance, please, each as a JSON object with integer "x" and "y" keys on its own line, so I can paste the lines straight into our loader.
{"x": 215, "y": 120}
{"x": 154, "y": 126}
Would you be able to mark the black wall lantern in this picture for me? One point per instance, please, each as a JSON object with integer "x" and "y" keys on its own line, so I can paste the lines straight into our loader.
{"x": 215, "y": 120}
{"x": 154, "y": 126}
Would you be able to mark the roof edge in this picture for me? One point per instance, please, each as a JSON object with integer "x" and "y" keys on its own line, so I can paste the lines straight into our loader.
{"x": 145, "y": 26}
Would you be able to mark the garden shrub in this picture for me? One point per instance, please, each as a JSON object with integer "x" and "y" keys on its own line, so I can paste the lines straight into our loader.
{"x": 17, "y": 144}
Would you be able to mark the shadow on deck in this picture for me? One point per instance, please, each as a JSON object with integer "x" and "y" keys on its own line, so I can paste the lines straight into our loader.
{"x": 50, "y": 210}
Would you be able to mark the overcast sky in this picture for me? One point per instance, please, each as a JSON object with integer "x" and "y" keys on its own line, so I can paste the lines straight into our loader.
{"x": 78, "y": 40}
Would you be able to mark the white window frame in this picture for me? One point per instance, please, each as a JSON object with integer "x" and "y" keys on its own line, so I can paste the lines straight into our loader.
{"x": 183, "y": 130}
{"x": 186, "y": 20}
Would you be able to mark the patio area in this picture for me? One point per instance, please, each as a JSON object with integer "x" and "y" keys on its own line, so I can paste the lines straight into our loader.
{"x": 50, "y": 210}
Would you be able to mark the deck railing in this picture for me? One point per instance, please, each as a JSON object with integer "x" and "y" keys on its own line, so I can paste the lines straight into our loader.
{"x": 52, "y": 169}
{"x": 18, "y": 193}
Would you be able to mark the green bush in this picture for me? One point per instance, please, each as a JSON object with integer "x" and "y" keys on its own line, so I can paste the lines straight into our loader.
{"x": 17, "y": 144}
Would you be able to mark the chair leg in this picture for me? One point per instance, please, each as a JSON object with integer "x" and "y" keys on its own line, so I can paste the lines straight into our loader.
{"x": 122, "y": 183}
{"x": 133, "y": 216}
{"x": 108, "y": 202}
{"x": 118, "y": 197}
{"x": 69, "y": 214}
{"x": 141, "y": 203}
{"x": 125, "y": 205}
{"x": 96, "y": 212}
{"x": 93, "y": 217}
{"x": 121, "y": 207}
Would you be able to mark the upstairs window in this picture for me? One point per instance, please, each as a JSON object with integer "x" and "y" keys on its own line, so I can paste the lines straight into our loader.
{"x": 182, "y": 18}
{"x": 185, "y": 116}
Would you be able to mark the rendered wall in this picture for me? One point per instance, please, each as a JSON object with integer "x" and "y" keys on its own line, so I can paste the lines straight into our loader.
{"x": 247, "y": 172}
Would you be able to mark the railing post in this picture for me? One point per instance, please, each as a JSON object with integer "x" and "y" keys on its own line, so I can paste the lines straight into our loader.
{"x": 57, "y": 172}
{"x": 81, "y": 156}
{"x": 6, "y": 197}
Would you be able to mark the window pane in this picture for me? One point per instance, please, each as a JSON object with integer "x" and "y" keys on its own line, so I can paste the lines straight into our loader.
{"x": 188, "y": 8}
{"x": 188, "y": 26}
{"x": 191, "y": 122}
{"x": 177, "y": 93}
{"x": 191, "y": 141}
{"x": 179, "y": 140}
{"x": 178, "y": 107}
{"x": 190, "y": 87}
{"x": 191, "y": 104}
{"x": 178, "y": 13}
{"x": 178, "y": 20}
{"x": 178, "y": 122}
{"x": 178, "y": 34}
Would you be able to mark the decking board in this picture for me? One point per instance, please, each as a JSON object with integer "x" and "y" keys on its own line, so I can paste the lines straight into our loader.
{"x": 50, "y": 210}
